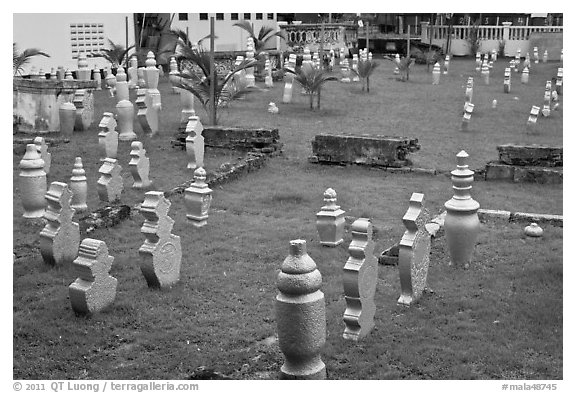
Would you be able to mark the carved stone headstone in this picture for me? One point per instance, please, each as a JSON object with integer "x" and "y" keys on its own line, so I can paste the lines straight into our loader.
{"x": 547, "y": 99}
{"x": 95, "y": 288}
{"x": 133, "y": 73}
{"x": 545, "y": 56}
{"x": 78, "y": 186}
{"x": 300, "y": 315}
{"x": 107, "y": 137}
{"x": 60, "y": 238}
{"x": 507, "y": 80}
{"x": 486, "y": 73}
{"x": 469, "y": 89}
{"x": 468, "y": 109}
{"x": 330, "y": 221}
{"x": 446, "y": 65}
{"x": 84, "y": 114}
{"x": 139, "y": 166}
{"x": 161, "y": 253}
{"x": 250, "y": 79}
{"x": 268, "y": 78}
{"x": 559, "y": 81}
{"x": 83, "y": 72}
{"x": 122, "y": 91}
{"x": 414, "y": 251}
{"x": 111, "y": 83}
{"x": 143, "y": 115}
{"x": 355, "y": 77}
{"x": 141, "y": 79}
{"x": 43, "y": 150}
{"x": 197, "y": 198}
{"x": 536, "y": 56}
{"x": 32, "y": 183}
{"x": 97, "y": 77}
{"x": 125, "y": 110}
{"x": 345, "y": 70}
{"x": 194, "y": 143}
{"x": 360, "y": 277}
{"x": 110, "y": 184}
{"x": 525, "y": 75}
{"x": 187, "y": 101}
{"x": 478, "y": 61}
{"x": 67, "y": 114}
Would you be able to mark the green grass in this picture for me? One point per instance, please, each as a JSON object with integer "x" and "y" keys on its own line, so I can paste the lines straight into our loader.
{"x": 501, "y": 319}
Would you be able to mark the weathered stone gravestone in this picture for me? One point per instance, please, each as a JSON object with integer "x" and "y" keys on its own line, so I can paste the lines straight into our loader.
{"x": 122, "y": 90}
{"x": 67, "y": 114}
{"x": 161, "y": 253}
{"x": 32, "y": 183}
{"x": 397, "y": 62}
{"x": 478, "y": 61}
{"x": 250, "y": 79}
{"x": 446, "y": 65}
{"x": 60, "y": 238}
{"x": 300, "y": 315}
{"x": 547, "y": 99}
{"x": 536, "y": 56}
{"x": 84, "y": 110}
{"x": 133, "y": 73}
{"x": 414, "y": 252}
{"x": 268, "y": 78}
{"x": 95, "y": 288}
{"x": 525, "y": 75}
{"x": 139, "y": 166}
{"x": 83, "y": 72}
{"x": 153, "y": 97}
{"x": 468, "y": 109}
{"x": 532, "y": 118}
{"x": 272, "y": 108}
{"x": 486, "y": 73}
{"x": 469, "y": 89}
{"x": 174, "y": 74}
{"x": 187, "y": 101}
{"x": 360, "y": 277}
{"x": 194, "y": 143}
{"x": 43, "y": 150}
{"x": 78, "y": 186}
{"x": 110, "y": 184}
{"x": 559, "y": 80}
{"x": 461, "y": 224}
{"x": 345, "y": 71}
{"x": 198, "y": 198}
{"x": 545, "y": 56}
{"x": 142, "y": 111}
{"x": 125, "y": 110}
{"x": 355, "y": 77}
{"x": 330, "y": 221}
{"x": 111, "y": 83}
{"x": 107, "y": 137}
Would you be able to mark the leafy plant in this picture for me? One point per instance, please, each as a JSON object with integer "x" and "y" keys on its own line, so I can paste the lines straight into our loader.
{"x": 311, "y": 79}
{"x": 403, "y": 66}
{"x": 264, "y": 35}
{"x": 116, "y": 54}
{"x": 19, "y": 60}
{"x": 197, "y": 78}
{"x": 365, "y": 69}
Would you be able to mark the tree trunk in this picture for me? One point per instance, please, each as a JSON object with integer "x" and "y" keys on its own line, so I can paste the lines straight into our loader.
{"x": 368, "y": 84}
{"x": 318, "y": 100}
{"x": 311, "y": 99}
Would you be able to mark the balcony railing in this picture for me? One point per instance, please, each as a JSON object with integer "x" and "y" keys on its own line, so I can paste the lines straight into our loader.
{"x": 310, "y": 34}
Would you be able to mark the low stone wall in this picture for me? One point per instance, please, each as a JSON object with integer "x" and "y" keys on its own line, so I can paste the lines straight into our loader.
{"x": 531, "y": 163}
{"x": 259, "y": 140}
{"x": 372, "y": 150}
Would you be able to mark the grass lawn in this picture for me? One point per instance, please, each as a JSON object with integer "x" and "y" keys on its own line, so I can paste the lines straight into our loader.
{"x": 501, "y": 319}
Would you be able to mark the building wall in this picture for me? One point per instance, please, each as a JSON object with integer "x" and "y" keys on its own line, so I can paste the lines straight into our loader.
{"x": 229, "y": 37}
{"x": 51, "y": 33}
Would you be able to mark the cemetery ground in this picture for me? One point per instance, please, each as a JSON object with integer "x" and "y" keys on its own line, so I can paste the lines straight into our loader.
{"x": 500, "y": 319}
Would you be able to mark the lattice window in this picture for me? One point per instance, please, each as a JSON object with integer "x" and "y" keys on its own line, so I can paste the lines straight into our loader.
{"x": 86, "y": 37}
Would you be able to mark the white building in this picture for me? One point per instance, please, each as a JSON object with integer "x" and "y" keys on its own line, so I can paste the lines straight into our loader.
{"x": 63, "y": 36}
{"x": 229, "y": 37}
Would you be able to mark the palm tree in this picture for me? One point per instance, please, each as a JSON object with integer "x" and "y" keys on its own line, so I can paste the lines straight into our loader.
{"x": 264, "y": 35}
{"x": 311, "y": 79}
{"x": 115, "y": 54}
{"x": 403, "y": 66}
{"x": 195, "y": 76}
{"x": 365, "y": 69}
{"x": 19, "y": 60}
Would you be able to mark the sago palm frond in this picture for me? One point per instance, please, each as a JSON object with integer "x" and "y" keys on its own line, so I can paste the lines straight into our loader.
{"x": 19, "y": 60}
{"x": 365, "y": 68}
{"x": 115, "y": 54}
{"x": 265, "y": 34}
{"x": 311, "y": 79}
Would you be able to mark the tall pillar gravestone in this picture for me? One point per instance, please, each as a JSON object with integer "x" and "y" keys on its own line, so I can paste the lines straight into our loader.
{"x": 139, "y": 166}
{"x": 197, "y": 198}
{"x": 330, "y": 221}
{"x": 43, "y": 150}
{"x": 78, "y": 186}
{"x": 108, "y": 137}
{"x": 32, "y": 183}
{"x": 194, "y": 143}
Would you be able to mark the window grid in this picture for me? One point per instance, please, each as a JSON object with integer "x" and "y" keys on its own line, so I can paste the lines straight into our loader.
{"x": 86, "y": 37}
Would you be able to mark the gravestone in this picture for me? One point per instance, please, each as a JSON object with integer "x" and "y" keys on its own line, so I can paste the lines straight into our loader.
{"x": 272, "y": 108}
{"x": 67, "y": 113}
{"x": 300, "y": 315}
{"x": 536, "y": 56}
{"x": 360, "y": 278}
{"x": 239, "y": 77}
{"x": 268, "y": 78}
{"x": 559, "y": 80}
{"x": 95, "y": 288}
{"x": 187, "y": 102}
{"x": 141, "y": 79}
{"x": 469, "y": 89}
{"x": 461, "y": 224}
{"x": 97, "y": 77}
{"x": 133, "y": 73}
{"x": 110, "y": 184}
{"x": 517, "y": 60}
{"x": 60, "y": 73}
{"x": 68, "y": 75}
{"x": 41, "y": 74}
{"x": 289, "y": 78}
{"x": 436, "y": 74}
{"x": 125, "y": 116}
{"x": 532, "y": 118}
{"x": 397, "y": 62}
{"x": 547, "y": 99}
{"x": 250, "y": 80}
{"x": 78, "y": 186}
{"x": 478, "y": 61}
{"x": 525, "y": 75}
{"x": 507, "y": 80}
{"x": 345, "y": 70}
{"x": 53, "y": 74}
{"x": 147, "y": 118}
{"x": 161, "y": 253}
{"x": 414, "y": 251}
{"x": 486, "y": 73}
{"x": 139, "y": 166}
{"x": 60, "y": 238}
{"x": 545, "y": 56}
{"x": 468, "y": 109}
{"x": 446, "y": 65}
{"x": 174, "y": 75}
{"x": 32, "y": 183}
{"x": 107, "y": 137}
{"x": 153, "y": 97}
{"x": 111, "y": 83}
{"x": 330, "y": 221}
{"x": 122, "y": 91}
{"x": 194, "y": 143}
{"x": 84, "y": 110}
{"x": 43, "y": 150}
{"x": 355, "y": 77}
{"x": 197, "y": 198}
